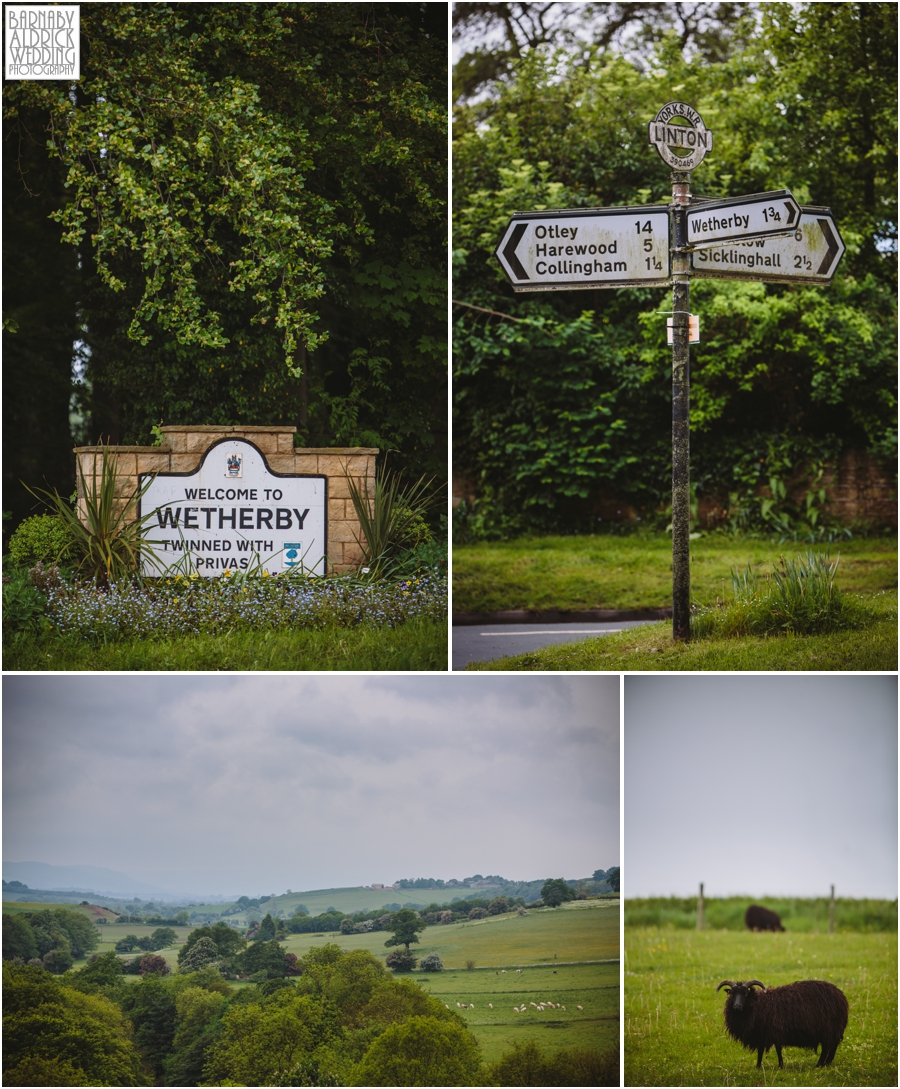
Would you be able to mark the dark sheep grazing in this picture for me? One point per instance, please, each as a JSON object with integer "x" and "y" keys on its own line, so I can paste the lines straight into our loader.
{"x": 809, "y": 1013}
{"x": 760, "y": 918}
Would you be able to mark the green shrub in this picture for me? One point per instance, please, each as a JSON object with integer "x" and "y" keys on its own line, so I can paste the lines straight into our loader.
{"x": 42, "y": 538}
{"x": 800, "y": 597}
{"x": 400, "y": 960}
{"x": 23, "y": 605}
{"x": 431, "y": 963}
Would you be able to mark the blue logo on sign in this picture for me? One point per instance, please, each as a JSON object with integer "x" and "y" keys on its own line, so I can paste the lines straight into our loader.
{"x": 292, "y": 553}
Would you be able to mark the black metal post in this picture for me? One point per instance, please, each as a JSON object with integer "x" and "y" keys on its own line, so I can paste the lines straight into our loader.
{"x": 681, "y": 403}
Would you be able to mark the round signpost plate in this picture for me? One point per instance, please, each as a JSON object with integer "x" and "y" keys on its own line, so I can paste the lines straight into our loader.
{"x": 692, "y": 139}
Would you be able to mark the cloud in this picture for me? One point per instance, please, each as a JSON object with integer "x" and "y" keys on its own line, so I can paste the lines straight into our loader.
{"x": 308, "y": 782}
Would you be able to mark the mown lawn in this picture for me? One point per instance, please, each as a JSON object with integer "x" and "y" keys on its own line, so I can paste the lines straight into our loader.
{"x": 418, "y": 644}
{"x": 605, "y": 572}
{"x": 674, "y": 1027}
{"x": 651, "y": 647}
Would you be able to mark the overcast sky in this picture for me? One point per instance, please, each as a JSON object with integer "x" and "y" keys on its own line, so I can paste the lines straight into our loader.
{"x": 255, "y": 785}
{"x": 761, "y": 785}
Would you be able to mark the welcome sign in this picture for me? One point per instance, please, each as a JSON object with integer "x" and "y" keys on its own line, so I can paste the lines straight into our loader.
{"x": 234, "y": 513}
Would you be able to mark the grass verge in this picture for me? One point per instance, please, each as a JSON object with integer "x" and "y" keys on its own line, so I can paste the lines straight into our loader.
{"x": 674, "y": 1028}
{"x": 418, "y": 644}
{"x": 651, "y": 647}
{"x": 603, "y": 572}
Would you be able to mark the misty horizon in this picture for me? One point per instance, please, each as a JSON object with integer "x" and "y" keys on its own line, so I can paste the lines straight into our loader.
{"x": 200, "y": 783}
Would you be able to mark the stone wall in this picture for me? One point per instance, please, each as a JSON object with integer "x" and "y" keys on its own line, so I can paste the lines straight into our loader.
{"x": 183, "y": 447}
{"x": 858, "y": 487}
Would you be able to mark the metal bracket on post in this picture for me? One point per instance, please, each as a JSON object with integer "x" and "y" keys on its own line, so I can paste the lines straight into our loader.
{"x": 681, "y": 405}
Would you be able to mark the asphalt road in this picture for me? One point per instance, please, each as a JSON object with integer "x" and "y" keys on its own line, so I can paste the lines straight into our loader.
{"x": 482, "y": 642}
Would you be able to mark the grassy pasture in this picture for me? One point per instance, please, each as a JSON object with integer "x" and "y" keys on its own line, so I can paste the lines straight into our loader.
{"x": 10, "y": 907}
{"x": 579, "y": 931}
{"x": 547, "y": 940}
{"x": 674, "y": 1028}
{"x": 593, "y": 986}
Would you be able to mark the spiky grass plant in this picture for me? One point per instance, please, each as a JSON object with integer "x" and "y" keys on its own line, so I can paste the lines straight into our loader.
{"x": 799, "y": 596}
{"x": 105, "y": 544}
{"x": 389, "y": 518}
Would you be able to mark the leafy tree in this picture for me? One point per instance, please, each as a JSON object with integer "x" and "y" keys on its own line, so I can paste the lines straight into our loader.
{"x": 599, "y": 875}
{"x": 129, "y": 942}
{"x": 197, "y": 1013}
{"x": 300, "y": 149}
{"x": 498, "y": 905}
{"x": 58, "y": 960}
{"x": 64, "y": 929}
{"x": 478, "y": 913}
{"x": 162, "y": 936}
{"x": 526, "y": 1064}
{"x": 50, "y": 1030}
{"x": 401, "y": 960}
{"x": 404, "y": 926}
{"x": 266, "y": 931}
{"x": 556, "y": 891}
{"x": 102, "y": 970}
{"x": 202, "y": 952}
{"x": 267, "y": 957}
{"x": 150, "y": 1006}
{"x": 785, "y": 376}
{"x": 262, "y": 1042}
{"x": 182, "y": 918}
{"x": 228, "y": 942}
{"x": 612, "y": 877}
{"x": 502, "y": 33}
{"x": 18, "y": 938}
{"x": 431, "y": 963}
{"x": 153, "y": 965}
{"x": 421, "y": 1051}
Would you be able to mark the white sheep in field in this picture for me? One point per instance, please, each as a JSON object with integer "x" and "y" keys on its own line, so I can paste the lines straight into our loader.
{"x": 579, "y": 1007}
{"x": 458, "y": 1006}
{"x": 533, "y": 1004}
{"x": 518, "y": 971}
{"x": 490, "y": 1005}
{"x": 503, "y": 971}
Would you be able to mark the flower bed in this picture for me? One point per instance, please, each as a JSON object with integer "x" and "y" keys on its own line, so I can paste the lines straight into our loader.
{"x": 186, "y": 606}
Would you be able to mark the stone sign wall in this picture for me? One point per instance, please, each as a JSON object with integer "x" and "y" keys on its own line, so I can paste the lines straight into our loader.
{"x": 183, "y": 449}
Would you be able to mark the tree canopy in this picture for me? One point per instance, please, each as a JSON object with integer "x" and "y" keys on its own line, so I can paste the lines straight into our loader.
{"x": 557, "y": 891}
{"x": 404, "y": 926}
{"x": 564, "y": 398}
{"x": 256, "y": 197}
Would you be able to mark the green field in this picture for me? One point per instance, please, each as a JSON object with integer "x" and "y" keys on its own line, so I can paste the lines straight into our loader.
{"x": 674, "y": 1027}
{"x": 595, "y": 987}
{"x": 606, "y": 572}
{"x": 546, "y": 940}
{"x": 11, "y": 907}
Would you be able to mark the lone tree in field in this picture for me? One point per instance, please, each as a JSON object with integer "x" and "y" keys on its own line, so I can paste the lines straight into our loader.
{"x": 555, "y": 892}
{"x": 404, "y": 927}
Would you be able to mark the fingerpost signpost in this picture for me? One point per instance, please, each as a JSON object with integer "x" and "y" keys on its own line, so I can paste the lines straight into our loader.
{"x": 766, "y": 237}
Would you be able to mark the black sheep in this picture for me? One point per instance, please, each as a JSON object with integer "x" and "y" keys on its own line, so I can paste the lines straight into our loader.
{"x": 809, "y": 1013}
{"x": 760, "y": 918}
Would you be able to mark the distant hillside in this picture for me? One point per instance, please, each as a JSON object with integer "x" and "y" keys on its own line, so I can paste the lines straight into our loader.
{"x": 94, "y": 879}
